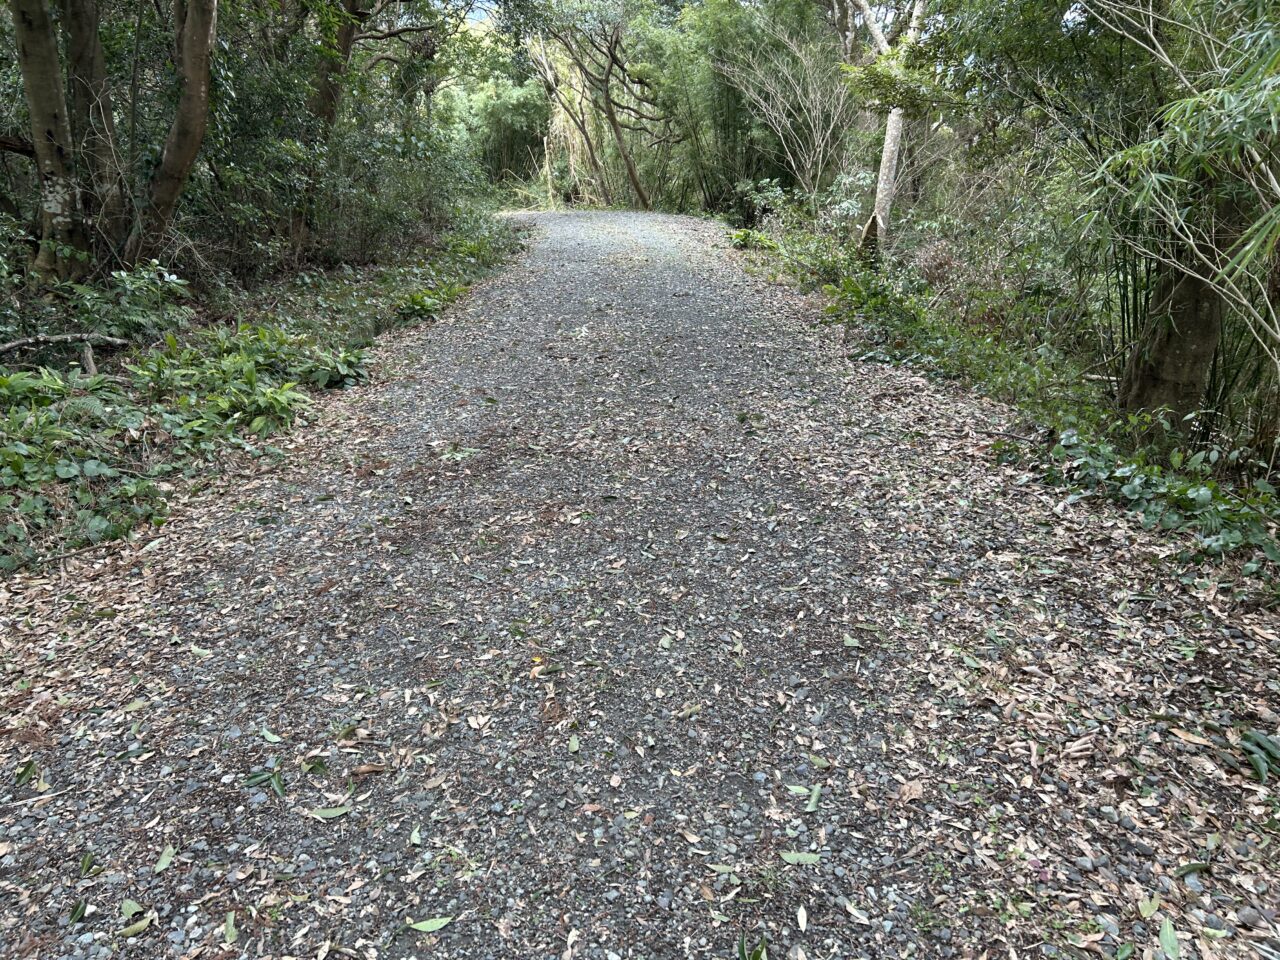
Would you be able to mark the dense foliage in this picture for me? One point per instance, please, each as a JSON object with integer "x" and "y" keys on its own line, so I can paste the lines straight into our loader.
{"x": 163, "y": 173}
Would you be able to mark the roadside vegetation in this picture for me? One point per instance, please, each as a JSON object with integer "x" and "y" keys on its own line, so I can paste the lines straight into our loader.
{"x": 199, "y": 230}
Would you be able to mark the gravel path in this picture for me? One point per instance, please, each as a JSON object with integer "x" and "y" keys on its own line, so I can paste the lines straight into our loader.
{"x": 622, "y": 615}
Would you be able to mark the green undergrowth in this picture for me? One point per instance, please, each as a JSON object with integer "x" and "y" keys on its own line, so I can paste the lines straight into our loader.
{"x": 1217, "y": 497}
{"x": 88, "y": 457}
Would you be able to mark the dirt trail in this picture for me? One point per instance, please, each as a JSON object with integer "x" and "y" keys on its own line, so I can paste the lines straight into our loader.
{"x": 627, "y": 615}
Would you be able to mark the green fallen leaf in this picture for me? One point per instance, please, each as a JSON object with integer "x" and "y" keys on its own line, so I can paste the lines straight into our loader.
{"x": 229, "y": 931}
{"x": 166, "y": 858}
{"x": 135, "y": 705}
{"x": 1195, "y": 866}
{"x": 136, "y": 928}
{"x": 799, "y": 857}
{"x": 268, "y": 736}
{"x": 130, "y": 908}
{"x": 1148, "y": 907}
{"x": 574, "y": 744}
{"x": 77, "y": 912}
{"x": 1169, "y": 940}
{"x": 415, "y": 836}
{"x": 814, "y": 796}
{"x": 1124, "y": 952}
{"x": 330, "y": 813}
{"x": 428, "y": 926}
{"x": 797, "y": 789}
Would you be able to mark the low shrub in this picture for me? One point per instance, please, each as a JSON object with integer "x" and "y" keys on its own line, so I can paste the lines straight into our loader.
{"x": 1181, "y": 494}
{"x": 85, "y": 459}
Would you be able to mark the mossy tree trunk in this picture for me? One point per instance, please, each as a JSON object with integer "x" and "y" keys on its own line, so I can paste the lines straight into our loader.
{"x": 62, "y": 252}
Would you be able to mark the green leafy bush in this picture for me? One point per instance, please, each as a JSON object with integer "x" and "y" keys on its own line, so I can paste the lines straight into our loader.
{"x": 141, "y": 303}
{"x": 748, "y": 239}
{"x": 1182, "y": 496}
{"x": 81, "y": 456}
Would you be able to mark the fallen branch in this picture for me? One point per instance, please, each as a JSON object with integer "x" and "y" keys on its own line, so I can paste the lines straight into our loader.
{"x": 18, "y": 145}
{"x": 45, "y": 340}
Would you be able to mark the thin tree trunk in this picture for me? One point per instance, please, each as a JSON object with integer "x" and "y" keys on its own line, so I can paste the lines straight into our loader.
{"x": 62, "y": 241}
{"x": 887, "y": 178}
{"x": 597, "y": 169}
{"x": 196, "y": 26}
{"x": 93, "y": 120}
{"x": 877, "y": 228}
{"x": 632, "y": 174}
{"x": 551, "y": 83}
{"x": 327, "y": 95}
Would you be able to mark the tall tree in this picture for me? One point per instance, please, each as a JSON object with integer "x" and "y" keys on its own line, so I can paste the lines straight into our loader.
{"x": 93, "y": 123}
{"x": 877, "y": 228}
{"x": 195, "y": 27}
{"x": 62, "y": 244}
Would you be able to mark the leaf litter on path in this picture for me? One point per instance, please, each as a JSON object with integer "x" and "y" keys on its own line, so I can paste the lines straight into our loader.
{"x": 632, "y": 624}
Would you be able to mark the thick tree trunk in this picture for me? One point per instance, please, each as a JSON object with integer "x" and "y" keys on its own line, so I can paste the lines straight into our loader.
{"x": 62, "y": 241}
{"x": 196, "y": 26}
{"x": 93, "y": 121}
{"x": 1169, "y": 368}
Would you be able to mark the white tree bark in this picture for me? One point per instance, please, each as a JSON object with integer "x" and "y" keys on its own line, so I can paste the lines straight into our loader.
{"x": 877, "y": 228}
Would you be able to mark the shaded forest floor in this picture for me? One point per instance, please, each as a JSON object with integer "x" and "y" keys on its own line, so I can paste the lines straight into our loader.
{"x": 620, "y": 615}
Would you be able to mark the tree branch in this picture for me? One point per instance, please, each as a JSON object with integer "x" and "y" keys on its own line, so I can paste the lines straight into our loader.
{"x": 17, "y": 145}
{"x": 45, "y": 340}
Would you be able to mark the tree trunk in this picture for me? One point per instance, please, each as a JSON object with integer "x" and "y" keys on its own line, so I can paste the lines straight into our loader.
{"x": 579, "y": 120}
{"x": 1169, "y": 368}
{"x": 196, "y": 25}
{"x": 877, "y": 229}
{"x": 327, "y": 95}
{"x": 62, "y": 241}
{"x": 93, "y": 120}
{"x": 887, "y": 179}
{"x": 632, "y": 174}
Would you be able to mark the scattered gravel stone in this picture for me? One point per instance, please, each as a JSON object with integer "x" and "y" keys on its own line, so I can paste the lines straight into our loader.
{"x": 628, "y": 614}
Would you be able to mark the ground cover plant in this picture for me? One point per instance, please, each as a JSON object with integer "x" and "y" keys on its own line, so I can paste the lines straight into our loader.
{"x": 85, "y": 457}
